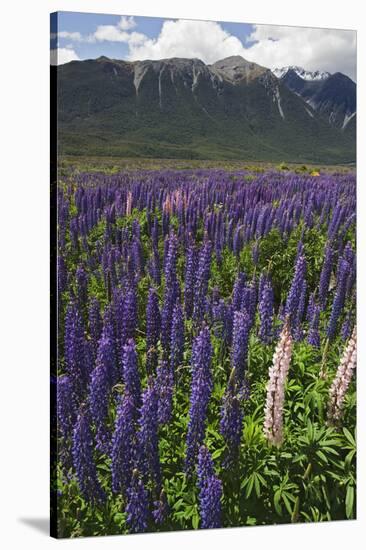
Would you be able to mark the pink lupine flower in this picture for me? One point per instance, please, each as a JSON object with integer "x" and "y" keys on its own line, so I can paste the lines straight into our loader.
{"x": 273, "y": 423}
{"x": 129, "y": 204}
{"x": 342, "y": 380}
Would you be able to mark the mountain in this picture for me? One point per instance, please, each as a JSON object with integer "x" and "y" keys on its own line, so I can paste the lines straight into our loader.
{"x": 302, "y": 73}
{"x": 333, "y": 96}
{"x": 184, "y": 108}
{"x": 235, "y": 69}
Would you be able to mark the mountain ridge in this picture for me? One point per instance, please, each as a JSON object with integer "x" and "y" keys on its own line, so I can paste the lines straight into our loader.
{"x": 301, "y": 72}
{"x": 333, "y": 97}
{"x": 232, "y": 108}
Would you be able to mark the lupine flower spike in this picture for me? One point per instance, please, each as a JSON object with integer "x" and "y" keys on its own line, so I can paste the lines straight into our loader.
{"x": 273, "y": 423}
{"x": 342, "y": 380}
{"x": 137, "y": 505}
{"x": 210, "y": 491}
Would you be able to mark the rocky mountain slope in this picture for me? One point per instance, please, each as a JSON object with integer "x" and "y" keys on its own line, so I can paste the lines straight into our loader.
{"x": 183, "y": 108}
{"x": 332, "y": 96}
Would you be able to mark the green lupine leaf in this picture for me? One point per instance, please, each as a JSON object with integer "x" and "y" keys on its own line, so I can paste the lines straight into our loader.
{"x": 350, "y": 495}
{"x": 276, "y": 502}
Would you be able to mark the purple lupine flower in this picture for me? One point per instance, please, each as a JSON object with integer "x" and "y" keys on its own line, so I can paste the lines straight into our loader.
{"x": 189, "y": 279}
{"x": 131, "y": 376}
{"x": 161, "y": 509}
{"x": 95, "y": 325}
{"x": 300, "y": 249}
{"x": 137, "y": 507}
{"x": 155, "y": 232}
{"x": 223, "y": 318}
{"x": 297, "y": 328}
{"x": 166, "y": 320}
{"x": 294, "y": 295}
{"x": 335, "y": 222}
{"x": 114, "y": 315}
{"x": 61, "y": 275}
{"x": 171, "y": 292}
{"x": 265, "y": 306}
{"x": 136, "y": 230}
{"x": 228, "y": 325}
{"x": 110, "y": 314}
{"x": 249, "y": 300}
{"x": 82, "y": 453}
{"x": 166, "y": 252}
{"x": 123, "y": 443}
{"x": 75, "y": 356}
{"x": 66, "y": 417}
{"x": 313, "y": 336}
{"x": 177, "y": 338}
{"x": 136, "y": 257}
{"x": 239, "y": 348}
{"x": 99, "y": 393}
{"x": 106, "y": 353}
{"x": 147, "y": 437}
{"x": 154, "y": 266}
{"x": 210, "y": 491}
{"x": 66, "y": 409}
{"x": 171, "y": 256}
{"x": 351, "y": 220}
{"x": 310, "y": 308}
{"x": 231, "y": 422}
{"x": 165, "y": 386}
{"x": 201, "y": 283}
{"x": 339, "y": 297}
{"x": 201, "y": 387}
{"x": 82, "y": 285}
{"x": 347, "y": 326}
{"x": 350, "y": 256}
{"x": 153, "y": 327}
{"x": 325, "y": 275}
{"x": 129, "y": 317}
{"x": 238, "y": 291}
{"x": 348, "y": 253}
{"x": 238, "y": 240}
{"x": 262, "y": 281}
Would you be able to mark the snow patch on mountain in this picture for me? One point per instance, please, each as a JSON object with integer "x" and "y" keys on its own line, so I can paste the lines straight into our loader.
{"x": 302, "y": 73}
{"x": 278, "y": 97}
{"x": 347, "y": 118}
{"x": 159, "y": 86}
{"x": 309, "y": 112}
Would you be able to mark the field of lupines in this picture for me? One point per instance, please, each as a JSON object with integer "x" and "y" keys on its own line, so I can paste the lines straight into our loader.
{"x": 206, "y": 350}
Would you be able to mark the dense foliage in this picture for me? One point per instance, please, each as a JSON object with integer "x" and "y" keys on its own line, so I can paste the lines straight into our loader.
{"x": 207, "y": 347}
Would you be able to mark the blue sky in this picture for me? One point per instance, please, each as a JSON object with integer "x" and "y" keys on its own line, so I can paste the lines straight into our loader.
{"x": 77, "y": 36}
{"x": 87, "y": 23}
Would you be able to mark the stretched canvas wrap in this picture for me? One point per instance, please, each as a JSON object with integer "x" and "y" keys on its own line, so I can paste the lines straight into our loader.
{"x": 203, "y": 270}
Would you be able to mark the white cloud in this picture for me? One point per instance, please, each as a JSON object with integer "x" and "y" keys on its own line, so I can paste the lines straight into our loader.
{"x": 206, "y": 40}
{"x": 126, "y": 23}
{"x": 75, "y": 36}
{"x": 59, "y": 56}
{"x": 111, "y": 33}
{"x": 274, "y": 46}
{"x": 325, "y": 49}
